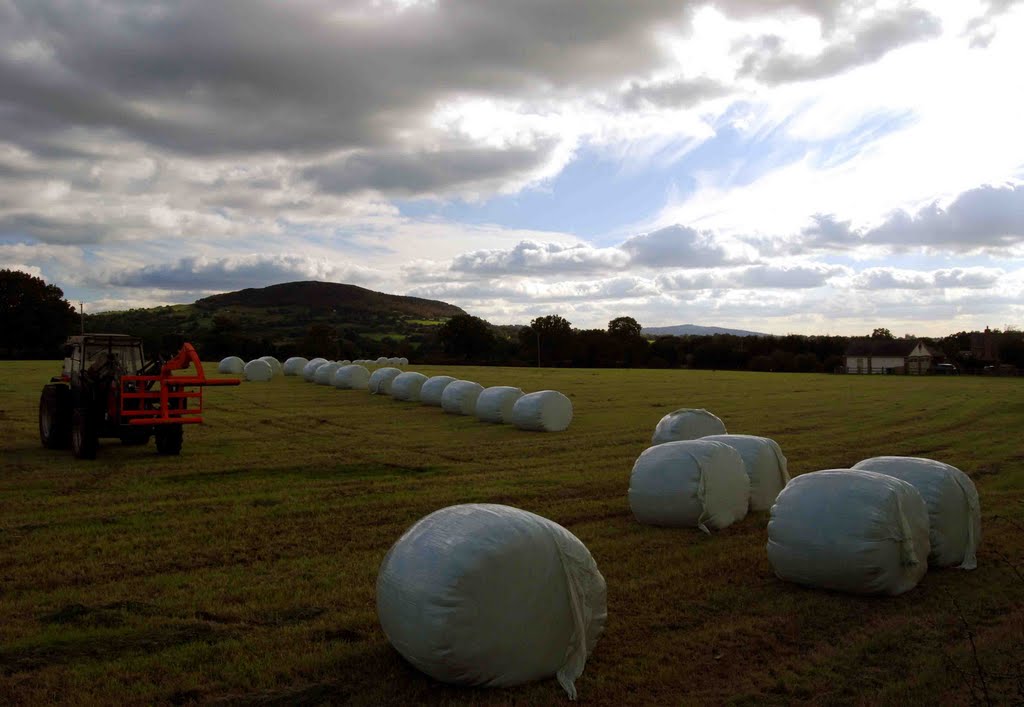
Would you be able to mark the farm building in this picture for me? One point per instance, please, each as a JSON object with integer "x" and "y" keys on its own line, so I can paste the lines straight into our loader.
{"x": 909, "y": 356}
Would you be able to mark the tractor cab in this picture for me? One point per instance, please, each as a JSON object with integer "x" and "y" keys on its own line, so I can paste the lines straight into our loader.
{"x": 96, "y": 354}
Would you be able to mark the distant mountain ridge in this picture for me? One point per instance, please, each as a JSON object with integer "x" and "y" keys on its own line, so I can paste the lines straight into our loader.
{"x": 284, "y": 317}
{"x": 695, "y": 330}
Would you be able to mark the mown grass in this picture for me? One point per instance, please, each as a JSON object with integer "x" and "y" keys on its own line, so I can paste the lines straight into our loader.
{"x": 243, "y": 572}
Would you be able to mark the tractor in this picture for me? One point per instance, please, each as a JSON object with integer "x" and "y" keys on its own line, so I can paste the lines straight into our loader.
{"x": 107, "y": 389}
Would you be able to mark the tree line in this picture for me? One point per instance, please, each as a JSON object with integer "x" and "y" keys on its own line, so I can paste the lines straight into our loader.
{"x": 35, "y": 319}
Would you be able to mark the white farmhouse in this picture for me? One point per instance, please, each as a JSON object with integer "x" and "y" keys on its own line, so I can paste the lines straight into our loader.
{"x": 908, "y": 356}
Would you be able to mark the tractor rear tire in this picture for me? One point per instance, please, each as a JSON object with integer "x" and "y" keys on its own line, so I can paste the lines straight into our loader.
{"x": 55, "y": 417}
{"x": 84, "y": 437}
{"x": 135, "y": 438}
{"x": 169, "y": 439}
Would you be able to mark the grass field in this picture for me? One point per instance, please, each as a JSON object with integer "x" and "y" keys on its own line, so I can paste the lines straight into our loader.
{"x": 243, "y": 572}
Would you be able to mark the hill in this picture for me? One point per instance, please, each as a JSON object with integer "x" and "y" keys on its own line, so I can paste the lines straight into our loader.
{"x": 332, "y": 318}
{"x": 695, "y": 330}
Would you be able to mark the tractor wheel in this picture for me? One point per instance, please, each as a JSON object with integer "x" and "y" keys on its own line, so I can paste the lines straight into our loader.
{"x": 135, "y": 438}
{"x": 168, "y": 440}
{"x": 55, "y": 417}
{"x": 84, "y": 438}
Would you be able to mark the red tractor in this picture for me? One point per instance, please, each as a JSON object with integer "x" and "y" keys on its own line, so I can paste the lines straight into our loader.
{"x": 107, "y": 390}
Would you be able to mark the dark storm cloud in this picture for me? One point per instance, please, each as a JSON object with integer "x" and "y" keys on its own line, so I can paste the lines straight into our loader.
{"x": 208, "y": 78}
{"x": 682, "y": 93}
{"x": 221, "y": 274}
{"x": 770, "y": 63}
{"x": 403, "y": 173}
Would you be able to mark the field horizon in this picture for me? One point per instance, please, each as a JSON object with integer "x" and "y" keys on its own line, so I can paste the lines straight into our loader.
{"x": 243, "y": 571}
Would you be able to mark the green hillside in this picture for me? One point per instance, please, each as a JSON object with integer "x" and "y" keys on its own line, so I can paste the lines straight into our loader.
{"x": 296, "y": 317}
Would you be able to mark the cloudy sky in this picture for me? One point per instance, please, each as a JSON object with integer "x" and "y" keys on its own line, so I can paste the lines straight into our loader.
{"x": 787, "y": 166}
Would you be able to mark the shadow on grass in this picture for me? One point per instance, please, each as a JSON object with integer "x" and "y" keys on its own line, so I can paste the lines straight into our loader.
{"x": 347, "y": 471}
{"x": 105, "y": 647}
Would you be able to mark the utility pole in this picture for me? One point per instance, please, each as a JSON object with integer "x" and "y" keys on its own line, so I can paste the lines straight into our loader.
{"x": 538, "y": 347}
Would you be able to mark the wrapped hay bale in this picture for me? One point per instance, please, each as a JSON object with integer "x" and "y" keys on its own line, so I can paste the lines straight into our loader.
{"x": 403, "y": 361}
{"x": 491, "y": 595}
{"x": 687, "y": 423}
{"x": 325, "y": 373}
{"x": 344, "y": 362}
{"x": 433, "y": 389}
{"x": 381, "y": 361}
{"x": 309, "y": 370}
{"x": 543, "y": 411}
{"x": 294, "y": 365}
{"x": 407, "y": 386}
{"x": 258, "y": 370}
{"x": 765, "y": 464}
{"x": 459, "y": 397}
{"x": 380, "y": 381}
{"x": 689, "y": 484}
{"x": 495, "y": 404}
{"x": 351, "y": 377}
{"x": 275, "y": 365}
{"x": 232, "y": 365}
{"x": 849, "y": 530}
{"x": 392, "y": 361}
{"x": 954, "y": 510}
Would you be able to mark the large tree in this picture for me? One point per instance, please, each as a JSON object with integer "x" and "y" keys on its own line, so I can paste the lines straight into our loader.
{"x": 553, "y": 338}
{"x": 624, "y": 328}
{"x": 467, "y": 337}
{"x": 35, "y": 319}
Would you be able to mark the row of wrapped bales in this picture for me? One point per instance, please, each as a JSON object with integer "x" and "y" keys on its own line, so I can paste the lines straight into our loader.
{"x": 252, "y": 371}
{"x": 542, "y": 411}
{"x": 874, "y": 528}
{"x": 490, "y": 595}
{"x": 324, "y": 373}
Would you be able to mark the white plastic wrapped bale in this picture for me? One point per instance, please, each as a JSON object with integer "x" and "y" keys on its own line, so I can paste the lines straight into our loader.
{"x": 324, "y": 375}
{"x": 403, "y": 361}
{"x": 765, "y": 464}
{"x": 309, "y": 370}
{"x": 495, "y": 403}
{"x": 491, "y": 595}
{"x": 849, "y": 530}
{"x": 954, "y": 509}
{"x": 381, "y": 361}
{"x": 231, "y": 364}
{"x": 344, "y": 362}
{"x": 433, "y": 389}
{"x": 392, "y": 361}
{"x": 543, "y": 411}
{"x": 689, "y": 484}
{"x": 275, "y": 366}
{"x": 380, "y": 381}
{"x": 687, "y": 423}
{"x": 258, "y": 370}
{"x": 294, "y": 365}
{"x": 351, "y": 377}
{"x": 459, "y": 397}
{"x": 407, "y": 386}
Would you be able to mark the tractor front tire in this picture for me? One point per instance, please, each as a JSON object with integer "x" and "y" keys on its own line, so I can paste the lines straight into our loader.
{"x": 168, "y": 440}
{"x": 55, "y": 417}
{"x": 84, "y": 437}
